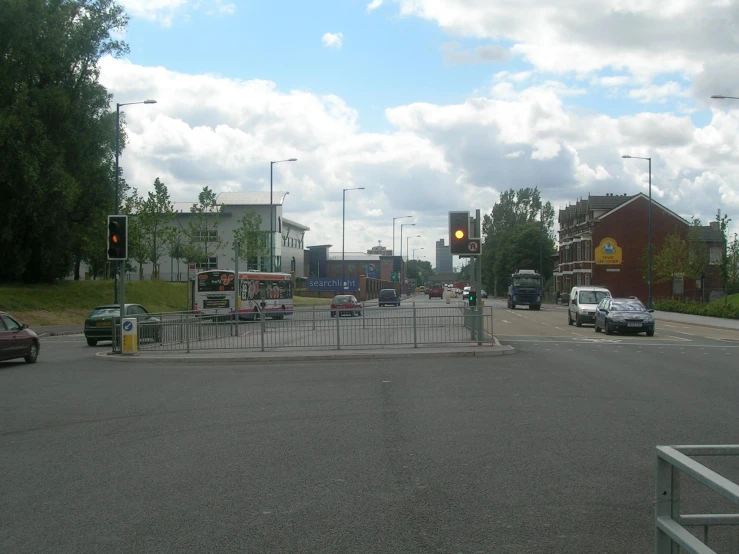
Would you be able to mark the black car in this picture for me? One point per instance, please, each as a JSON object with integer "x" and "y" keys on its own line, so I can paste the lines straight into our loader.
{"x": 99, "y": 324}
{"x": 625, "y": 315}
{"x": 388, "y": 297}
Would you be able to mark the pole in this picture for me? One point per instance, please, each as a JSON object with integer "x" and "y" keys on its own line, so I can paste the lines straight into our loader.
{"x": 117, "y": 267}
{"x": 649, "y": 279}
{"x": 541, "y": 244}
{"x": 237, "y": 292}
{"x": 394, "y": 235}
{"x": 478, "y": 288}
{"x": 343, "y": 220}
{"x": 122, "y": 296}
{"x": 271, "y": 223}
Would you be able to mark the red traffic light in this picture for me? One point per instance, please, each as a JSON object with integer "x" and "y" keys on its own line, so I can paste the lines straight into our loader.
{"x": 114, "y": 239}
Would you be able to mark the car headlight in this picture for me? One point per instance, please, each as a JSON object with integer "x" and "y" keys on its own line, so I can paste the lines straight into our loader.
{"x": 538, "y": 298}
{"x": 514, "y": 297}
{"x": 617, "y": 319}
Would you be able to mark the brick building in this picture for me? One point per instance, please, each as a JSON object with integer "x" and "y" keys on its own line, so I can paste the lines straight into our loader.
{"x": 602, "y": 240}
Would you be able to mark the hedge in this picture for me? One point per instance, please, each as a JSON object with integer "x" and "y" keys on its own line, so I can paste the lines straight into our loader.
{"x": 713, "y": 309}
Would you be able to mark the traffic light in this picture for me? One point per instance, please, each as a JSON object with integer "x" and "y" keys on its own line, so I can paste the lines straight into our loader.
{"x": 459, "y": 232}
{"x": 117, "y": 237}
{"x": 472, "y": 298}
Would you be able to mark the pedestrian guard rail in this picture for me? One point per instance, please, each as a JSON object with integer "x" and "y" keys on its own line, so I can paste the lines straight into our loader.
{"x": 316, "y": 327}
{"x": 671, "y": 533}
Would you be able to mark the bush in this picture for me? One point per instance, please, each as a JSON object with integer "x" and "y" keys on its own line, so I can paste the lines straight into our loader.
{"x": 714, "y": 309}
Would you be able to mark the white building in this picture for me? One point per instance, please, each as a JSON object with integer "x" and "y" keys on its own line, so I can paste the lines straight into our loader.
{"x": 289, "y": 244}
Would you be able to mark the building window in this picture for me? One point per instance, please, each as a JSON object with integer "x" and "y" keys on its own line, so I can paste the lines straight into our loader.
{"x": 205, "y": 235}
{"x": 292, "y": 264}
{"x": 715, "y": 255}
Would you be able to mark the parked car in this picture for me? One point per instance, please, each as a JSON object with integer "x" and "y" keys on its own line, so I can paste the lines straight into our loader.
{"x": 17, "y": 340}
{"x": 483, "y": 294}
{"x": 624, "y": 315}
{"x": 345, "y": 304}
{"x": 99, "y": 324}
{"x": 436, "y": 291}
{"x": 583, "y": 301}
{"x": 388, "y": 297}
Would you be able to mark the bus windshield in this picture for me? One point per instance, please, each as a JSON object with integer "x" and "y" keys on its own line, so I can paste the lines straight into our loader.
{"x": 216, "y": 281}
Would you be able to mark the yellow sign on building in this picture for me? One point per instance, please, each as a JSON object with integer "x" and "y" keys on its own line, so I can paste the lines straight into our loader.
{"x": 608, "y": 252}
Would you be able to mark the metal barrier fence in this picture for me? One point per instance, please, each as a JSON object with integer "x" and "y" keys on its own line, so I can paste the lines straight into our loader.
{"x": 670, "y": 525}
{"x": 316, "y": 327}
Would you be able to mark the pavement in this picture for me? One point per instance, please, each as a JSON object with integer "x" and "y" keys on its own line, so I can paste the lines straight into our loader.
{"x": 550, "y": 450}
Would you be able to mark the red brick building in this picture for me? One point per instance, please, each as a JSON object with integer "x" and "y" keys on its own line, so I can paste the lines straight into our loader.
{"x": 602, "y": 241}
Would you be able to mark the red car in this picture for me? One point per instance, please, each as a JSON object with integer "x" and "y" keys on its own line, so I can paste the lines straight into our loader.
{"x": 436, "y": 291}
{"x": 17, "y": 341}
{"x": 345, "y": 304}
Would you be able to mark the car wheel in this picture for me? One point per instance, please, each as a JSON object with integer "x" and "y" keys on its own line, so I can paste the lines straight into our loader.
{"x": 650, "y": 333}
{"x": 92, "y": 342}
{"x": 32, "y": 354}
{"x": 609, "y": 331}
{"x": 578, "y": 323}
{"x": 597, "y": 329}
{"x": 569, "y": 319}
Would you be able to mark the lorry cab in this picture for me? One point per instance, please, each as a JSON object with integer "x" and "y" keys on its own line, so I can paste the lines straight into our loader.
{"x": 583, "y": 303}
{"x": 525, "y": 288}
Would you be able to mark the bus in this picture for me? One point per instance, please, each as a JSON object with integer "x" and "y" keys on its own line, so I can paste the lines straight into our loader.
{"x": 213, "y": 294}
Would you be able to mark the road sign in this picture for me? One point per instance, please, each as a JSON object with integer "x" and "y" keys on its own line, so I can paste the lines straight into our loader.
{"x": 395, "y": 278}
{"x": 473, "y": 246}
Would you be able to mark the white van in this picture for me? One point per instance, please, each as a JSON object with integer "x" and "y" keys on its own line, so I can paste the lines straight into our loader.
{"x": 583, "y": 302}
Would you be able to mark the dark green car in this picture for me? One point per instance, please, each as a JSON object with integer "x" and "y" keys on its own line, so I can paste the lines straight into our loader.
{"x": 99, "y": 324}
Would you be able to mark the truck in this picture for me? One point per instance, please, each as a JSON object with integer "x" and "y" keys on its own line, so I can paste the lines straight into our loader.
{"x": 525, "y": 288}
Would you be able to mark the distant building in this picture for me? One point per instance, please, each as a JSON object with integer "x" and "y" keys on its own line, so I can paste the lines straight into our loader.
{"x": 602, "y": 241}
{"x": 443, "y": 258}
{"x": 380, "y": 250}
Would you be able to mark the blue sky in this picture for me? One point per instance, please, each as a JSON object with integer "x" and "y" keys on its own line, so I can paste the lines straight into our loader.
{"x": 554, "y": 97}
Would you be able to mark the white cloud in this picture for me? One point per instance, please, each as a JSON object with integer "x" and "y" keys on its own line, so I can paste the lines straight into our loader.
{"x": 208, "y": 130}
{"x": 644, "y": 38}
{"x": 332, "y": 40}
{"x": 455, "y": 54}
{"x": 165, "y": 11}
{"x": 658, "y": 93}
{"x": 374, "y": 5}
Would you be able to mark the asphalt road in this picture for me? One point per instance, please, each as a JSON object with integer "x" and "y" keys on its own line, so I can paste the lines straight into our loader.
{"x": 548, "y": 450}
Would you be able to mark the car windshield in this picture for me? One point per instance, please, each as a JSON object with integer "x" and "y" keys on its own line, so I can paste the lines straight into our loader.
{"x": 342, "y": 299}
{"x": 592, "y": 296}
{"x": 387, "y": 293}
{"x": 105, "y": 312}
{"x": 628, "y": 307}
{"x": 526, "y": 281}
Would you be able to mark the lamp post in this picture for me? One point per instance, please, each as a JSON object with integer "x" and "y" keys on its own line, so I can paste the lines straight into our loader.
{"x": 401, "y": 248}
{"x": 343, "y": 221}
{"x": 722, "y": 97}
{"x": 401, "y": 217}
{"x": 414, "y": 251}
{"x": 407, "y": 240}
{"x": 116, "y": 200}
{"x": 272, "y": 215}
{"x": 649, "y": 235}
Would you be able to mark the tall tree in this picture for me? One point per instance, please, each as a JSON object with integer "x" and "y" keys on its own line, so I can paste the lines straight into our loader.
{"x": 518, "y": 234}
{"x": 732, "y": 266}
{"x": 203, "y": 228}
{"x": 56, "y": 132}
{"x": 157, "y": 212}
{"x": 254, "y": 242}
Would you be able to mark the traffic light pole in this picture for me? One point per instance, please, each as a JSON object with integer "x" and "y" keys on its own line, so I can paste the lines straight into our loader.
{"x": 122, "y": 304}
{"x": 478, "y": 277}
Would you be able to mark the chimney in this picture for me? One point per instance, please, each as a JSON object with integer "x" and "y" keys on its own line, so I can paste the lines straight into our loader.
{"x": 714, "y": 225}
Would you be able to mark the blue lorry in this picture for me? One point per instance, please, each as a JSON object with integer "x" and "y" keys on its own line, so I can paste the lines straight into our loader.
{"x": 525, "y": 288}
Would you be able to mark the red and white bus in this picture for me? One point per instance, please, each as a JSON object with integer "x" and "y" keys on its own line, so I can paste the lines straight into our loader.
{"x": 213, "y": 293}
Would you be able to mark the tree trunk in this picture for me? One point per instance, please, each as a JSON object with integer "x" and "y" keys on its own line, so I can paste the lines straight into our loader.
{"x": 77, "y": 263}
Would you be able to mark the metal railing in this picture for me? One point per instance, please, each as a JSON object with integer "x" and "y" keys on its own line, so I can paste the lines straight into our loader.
{"x": 316, "y": 327}
{"x": 670, "y": 525}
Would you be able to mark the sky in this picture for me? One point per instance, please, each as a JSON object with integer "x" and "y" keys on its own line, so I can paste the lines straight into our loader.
{"x": 431, "y": 105}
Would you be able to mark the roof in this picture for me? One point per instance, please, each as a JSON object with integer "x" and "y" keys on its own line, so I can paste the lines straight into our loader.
{"x": 354, "y": 257}
{"x": 253, "y": 198}
{"x": 645, "y": 197}
{"x": 583, "y": 206}
{"x": 706, "y": 233}
{"x": 292, "y": 223}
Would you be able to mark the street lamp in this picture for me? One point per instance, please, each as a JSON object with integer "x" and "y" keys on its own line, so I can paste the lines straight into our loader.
{"x": 272, "y": 215}
{"x": 401, "y": 217}
{"x": 649, "y": 236}
{"x": 407, "y": 249}
{"x": 343, "y": 220}
{"x": 722, "y": 97}
{"x": 414, "y": 251}
{"x": 401, "y": 246}
{"x": 117, "y": 200}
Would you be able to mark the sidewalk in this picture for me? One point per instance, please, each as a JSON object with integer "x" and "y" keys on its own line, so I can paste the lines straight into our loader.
{"x": 304, "y": 355}
{"x": 701, "y": 320}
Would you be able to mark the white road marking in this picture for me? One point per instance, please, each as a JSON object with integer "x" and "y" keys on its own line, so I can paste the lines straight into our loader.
{"x": 560, "y": 328}
{"x": 506, "y": 321}
{"x": 543, "y": 323}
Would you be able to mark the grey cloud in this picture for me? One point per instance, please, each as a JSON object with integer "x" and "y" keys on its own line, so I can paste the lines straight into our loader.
{"x": 455, "y": 54}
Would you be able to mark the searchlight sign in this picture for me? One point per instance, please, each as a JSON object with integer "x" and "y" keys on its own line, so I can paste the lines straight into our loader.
{"x": 332, "y": 284}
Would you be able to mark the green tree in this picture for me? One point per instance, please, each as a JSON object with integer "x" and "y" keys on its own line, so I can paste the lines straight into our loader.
{"x": 515, "y": 235}
{"x": 157, "y": 212}
{"x": 205, "y": 241}
{"x": 137, "y": 247}
{"x": 732, "y": 266}
{"x": 671, "y": 259}
{"x": 419, "y": 271}
{"x": 254, "y": 242}
{"x": 723, "y": 224}
{"x": 56, "y": 132}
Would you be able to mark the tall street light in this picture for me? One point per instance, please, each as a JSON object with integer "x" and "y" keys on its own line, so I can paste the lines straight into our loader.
{"x": 649, "y": 236}
{"x": 414, "y": 251}
{"x": 401, "y": 247}
{"x": 272, "y": 215}
{"x": 343, "y": 221}
{"x": 407, "y": 249}
{"x": 117, "y": 200}
{"x": 401, "y": 217}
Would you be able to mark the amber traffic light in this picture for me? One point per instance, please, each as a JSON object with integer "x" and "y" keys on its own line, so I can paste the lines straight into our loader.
{"x": 459, "y": 231}
{"x": 117, "y": 237}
